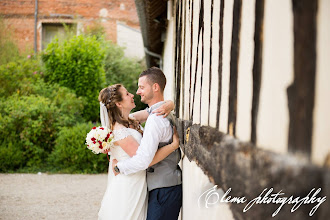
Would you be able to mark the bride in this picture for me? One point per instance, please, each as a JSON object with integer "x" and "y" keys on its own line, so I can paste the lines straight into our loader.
{"x": 126, "y": 196}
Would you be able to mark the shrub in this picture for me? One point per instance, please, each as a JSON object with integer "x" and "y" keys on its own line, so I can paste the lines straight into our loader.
{"x": 41, "y": 123}
{"x": 27, "y": 122}
{"x": 118, "y": 68}
{"x": 71, "y": 155}
{"x": 30, "y": 120}
{"x": 69, "y": 106}
{"x": 24, "y": 78}
{"x": 11, "y": 156}
{"x": 77, "y": 63}
{"x": 14, "y": 75}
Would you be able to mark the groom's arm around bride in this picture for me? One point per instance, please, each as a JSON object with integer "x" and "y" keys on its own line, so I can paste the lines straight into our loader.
{"x": 164, "y": 178}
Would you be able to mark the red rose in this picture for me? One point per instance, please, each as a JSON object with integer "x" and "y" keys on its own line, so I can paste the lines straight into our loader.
{"x": 93, "y": 139}
{"x": 101, "y": 128}
{"x": 94, "y": 128}
{"x": 100, "y": 147}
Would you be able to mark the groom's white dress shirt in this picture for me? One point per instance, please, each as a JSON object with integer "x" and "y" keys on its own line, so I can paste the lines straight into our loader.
{"x": 157, "y": 130}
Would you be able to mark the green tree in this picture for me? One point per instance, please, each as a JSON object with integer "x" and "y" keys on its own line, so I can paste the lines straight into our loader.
{"x": 77, "y": 63}
{"x": 31, "y": 114}
{"x": 120, "y": 69}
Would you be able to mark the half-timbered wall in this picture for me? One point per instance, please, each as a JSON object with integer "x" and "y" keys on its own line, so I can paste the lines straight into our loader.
{"x": 255, "y": 70}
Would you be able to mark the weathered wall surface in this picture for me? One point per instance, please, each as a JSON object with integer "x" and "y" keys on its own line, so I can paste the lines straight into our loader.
{"x": 250, "y": 85}
{"x": 131, "y": 40}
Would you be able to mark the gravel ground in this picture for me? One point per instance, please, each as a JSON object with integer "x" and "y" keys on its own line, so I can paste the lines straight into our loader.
{"x": 59, "y": 196}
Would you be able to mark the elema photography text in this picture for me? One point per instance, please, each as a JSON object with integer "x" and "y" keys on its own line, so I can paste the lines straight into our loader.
{"x": 211, "y": 197}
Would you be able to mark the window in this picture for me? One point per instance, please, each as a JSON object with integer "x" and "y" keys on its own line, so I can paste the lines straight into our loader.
{"x": 51, "y": 30}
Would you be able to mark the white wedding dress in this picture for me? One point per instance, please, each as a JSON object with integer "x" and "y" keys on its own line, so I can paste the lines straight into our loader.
{"x": 126, "y": 196}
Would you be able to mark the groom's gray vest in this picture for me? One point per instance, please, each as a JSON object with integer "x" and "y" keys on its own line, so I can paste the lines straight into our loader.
{"x": 167, "y": 172}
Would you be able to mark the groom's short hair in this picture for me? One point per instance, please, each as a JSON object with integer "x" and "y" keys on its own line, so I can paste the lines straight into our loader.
{"x": 155, "y": 75}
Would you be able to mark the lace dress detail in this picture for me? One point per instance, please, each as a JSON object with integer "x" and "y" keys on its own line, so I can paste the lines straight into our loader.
{"x": 121, "y": 200}
{"x": 122, "y": 133}
{"x": 117, "y": 152}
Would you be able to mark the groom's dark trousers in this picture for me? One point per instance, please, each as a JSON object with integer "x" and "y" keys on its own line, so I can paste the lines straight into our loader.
{"x": 165, "y": 203}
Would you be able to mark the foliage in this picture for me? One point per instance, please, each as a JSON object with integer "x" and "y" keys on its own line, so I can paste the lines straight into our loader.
{"x": 24, "y": 78}
{"x": 77, "y": 63}
{"x": 44, "y": 104}
{"x": 31, "y": 113}
{"x": 71, "y": 155}
{"x": 96, "y": 29}
{"x": 29, "y": 124}
{"x": 15, "y": 74}
{"x": 120, "y": 69}
{"x": 8, "y": 49}
{"x": 69, "y": 106}
{"x": 28, "y": 121}
{"x": 11, "y": 156}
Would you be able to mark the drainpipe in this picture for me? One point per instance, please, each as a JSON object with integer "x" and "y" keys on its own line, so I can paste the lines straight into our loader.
{"x": 155, "y": 55}
{"x": 35, "y": 25}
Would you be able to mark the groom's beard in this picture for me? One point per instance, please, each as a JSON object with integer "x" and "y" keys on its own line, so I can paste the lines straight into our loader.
{"x": 147, "y": 98}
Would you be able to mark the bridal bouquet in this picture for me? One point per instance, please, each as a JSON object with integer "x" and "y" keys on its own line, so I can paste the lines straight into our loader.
{"x": 99, "y": 139}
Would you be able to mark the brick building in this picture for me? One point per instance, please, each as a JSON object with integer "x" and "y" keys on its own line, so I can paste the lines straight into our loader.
{"x": 47, "y": 17}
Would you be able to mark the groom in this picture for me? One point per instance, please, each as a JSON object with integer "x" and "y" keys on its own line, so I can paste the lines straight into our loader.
{"x": 164, "y": 178}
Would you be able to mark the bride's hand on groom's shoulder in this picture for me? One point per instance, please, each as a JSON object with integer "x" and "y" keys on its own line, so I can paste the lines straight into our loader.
{"x": 114, "y": 163}
{"x": 165, "y": 108}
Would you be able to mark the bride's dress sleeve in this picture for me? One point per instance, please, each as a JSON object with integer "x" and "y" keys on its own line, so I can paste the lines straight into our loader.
{"x": 120, "y": 134}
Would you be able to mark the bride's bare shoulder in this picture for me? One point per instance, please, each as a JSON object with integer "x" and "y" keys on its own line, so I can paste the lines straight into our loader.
{"x": 118, "y": 126}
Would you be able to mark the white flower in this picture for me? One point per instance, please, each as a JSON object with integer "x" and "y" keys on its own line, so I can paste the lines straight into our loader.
{"x": 96, "y": 135}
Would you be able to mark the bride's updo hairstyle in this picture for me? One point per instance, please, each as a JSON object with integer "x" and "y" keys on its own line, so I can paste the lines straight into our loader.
{"x": 109, "y": 96}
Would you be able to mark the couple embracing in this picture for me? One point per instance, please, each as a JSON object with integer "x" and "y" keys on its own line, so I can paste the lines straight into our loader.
{"x": 144, "y": 179}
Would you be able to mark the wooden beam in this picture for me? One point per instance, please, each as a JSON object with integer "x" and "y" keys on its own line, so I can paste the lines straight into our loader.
{"x": 210, "y": 70}
{"x": 257, "y": 66}
{"x": 302, "y": 92}
{"x": 222, "y": 6}
{"x": 200, "y": 32}
{"x": 183, "y": 68}
{"x": 178, "y": 48}
{"x": 202, "y": 16}
{"x": 191, "y": 9}
{"x": 234, "y": 58}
